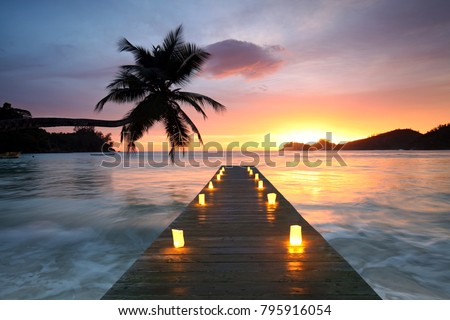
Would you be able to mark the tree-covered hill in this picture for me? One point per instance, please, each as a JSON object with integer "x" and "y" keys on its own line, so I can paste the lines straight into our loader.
{"x": 406, "y": 139}
{"x": 83, "y": 139}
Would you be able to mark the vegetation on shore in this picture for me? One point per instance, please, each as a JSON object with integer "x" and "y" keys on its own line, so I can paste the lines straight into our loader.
{"x": 406, "y": 139}
{"x": 87, "y": 139}
{"x": 83, "y": 139}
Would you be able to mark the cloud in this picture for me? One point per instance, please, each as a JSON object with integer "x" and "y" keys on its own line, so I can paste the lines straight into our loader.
{"x": 233, "y": 57}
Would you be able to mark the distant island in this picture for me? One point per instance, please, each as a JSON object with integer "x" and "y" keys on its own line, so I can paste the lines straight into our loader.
{"x": 83, "y": 139}
{"x": 400, "y": 139}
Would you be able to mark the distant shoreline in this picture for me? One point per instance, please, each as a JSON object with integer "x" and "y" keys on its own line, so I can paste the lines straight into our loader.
{"x": 225, "y": 152}
{"x": 400, "y": 139}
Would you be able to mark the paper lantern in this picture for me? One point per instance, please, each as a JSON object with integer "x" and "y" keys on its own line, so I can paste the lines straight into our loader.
{"x": 296, "y": 235}
{"x": 201, "y": 199}
{"x": 218, "y": 177}
{"x": 210, "y": 185}
{"x": 256, "y": 176}
{"x": 260, "y": 184}
{"x": 178, "y": 238}
{"x": 250, "y": 172}
{"x": 272, "y": 198}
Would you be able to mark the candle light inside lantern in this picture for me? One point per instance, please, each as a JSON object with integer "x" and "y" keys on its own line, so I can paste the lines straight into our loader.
{"x": 272, "y": 198}
{"x": 256, "y": 176}
{"x": 201, "y": 199}
{"x": 260, "y": 184}
{"x": 296, "y": 235}
{"x": 210, "y": 185}
{"x": 178, "y": 238}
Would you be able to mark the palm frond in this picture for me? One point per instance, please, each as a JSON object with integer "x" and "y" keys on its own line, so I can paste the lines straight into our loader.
{"x": 126, "y": 87}
{"x": 186, "y": 62}
{"x": 191, "y": 57}
{"x": 145, "y": 74}
{"x": 188, "y": 120}
{"x": 120, "y": 96}
{"x": 143, "y": 117}
{"x": 126, "y": 79}
{"x": 176, "y": 130}
{"x": 188, "y": 100}
{"x": 141, "y": 55}
{"x": 201, "y": 100}
{"x": 172, "y": 40}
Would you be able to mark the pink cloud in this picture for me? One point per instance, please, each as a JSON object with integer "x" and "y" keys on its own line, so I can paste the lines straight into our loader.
{"x": 233, "y": 57}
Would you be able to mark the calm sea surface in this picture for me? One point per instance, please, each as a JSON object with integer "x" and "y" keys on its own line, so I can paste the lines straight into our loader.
{"x": 69, "y": 227}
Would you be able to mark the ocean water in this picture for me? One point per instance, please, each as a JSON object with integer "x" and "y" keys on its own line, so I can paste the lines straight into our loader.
{"x": 70, "y": 226}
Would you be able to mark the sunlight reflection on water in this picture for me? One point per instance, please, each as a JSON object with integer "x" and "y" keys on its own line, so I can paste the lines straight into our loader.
{"x": 69, "y": 228}
{"x": 387, "y": 213}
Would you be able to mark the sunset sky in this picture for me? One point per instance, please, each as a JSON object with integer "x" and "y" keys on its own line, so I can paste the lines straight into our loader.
{"x": 294, "y": 69}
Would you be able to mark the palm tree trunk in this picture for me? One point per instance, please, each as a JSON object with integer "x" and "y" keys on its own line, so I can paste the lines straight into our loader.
{"x": 17, "y": 124}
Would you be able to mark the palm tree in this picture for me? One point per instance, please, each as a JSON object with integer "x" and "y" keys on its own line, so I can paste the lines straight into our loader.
{"x": 154, "y": 83}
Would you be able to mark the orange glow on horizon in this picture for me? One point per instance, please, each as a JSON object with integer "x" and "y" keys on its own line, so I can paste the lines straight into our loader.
{"x": 301, "y": 118}
{"x": 303, "y": 136}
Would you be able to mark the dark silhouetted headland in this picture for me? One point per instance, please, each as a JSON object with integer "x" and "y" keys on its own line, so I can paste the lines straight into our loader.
{"x": 34, "y": 140}
{"x": 406, "y": 139}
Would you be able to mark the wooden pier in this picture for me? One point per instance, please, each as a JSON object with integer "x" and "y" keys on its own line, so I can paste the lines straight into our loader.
{"x": 237, "y": 247}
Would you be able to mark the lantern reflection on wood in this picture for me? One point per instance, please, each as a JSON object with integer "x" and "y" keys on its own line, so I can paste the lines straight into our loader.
{"x": 272, "y": 198}
{"x": 178, "y": 238}
{"x": 296, "y": 235}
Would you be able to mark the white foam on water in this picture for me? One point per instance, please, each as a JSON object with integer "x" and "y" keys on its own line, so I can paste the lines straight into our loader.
{"x": 69, "y": 228}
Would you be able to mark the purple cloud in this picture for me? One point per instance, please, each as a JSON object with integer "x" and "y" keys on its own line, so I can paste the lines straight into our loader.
{"x": 233, "y": 57}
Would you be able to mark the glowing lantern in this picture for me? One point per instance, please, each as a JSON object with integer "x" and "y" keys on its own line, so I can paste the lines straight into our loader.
{"x": 250, "y": 172}
{"x": 201, "y": 199}
{"x": 222, "y": 169}
{"x": 260, "y": 184}
{"x": 210, "y": 185}
{"x": 178, "y": 238}
{"x": 256, "y": 176}
{"x": 272, "y": 198}
{"x": 248, "y": 169}
{"x": 218, "y": 177}
{"x": 296, "y": 235}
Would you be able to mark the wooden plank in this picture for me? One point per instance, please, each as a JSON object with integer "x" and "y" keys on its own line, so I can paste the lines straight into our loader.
{"x": 237, "y": 247}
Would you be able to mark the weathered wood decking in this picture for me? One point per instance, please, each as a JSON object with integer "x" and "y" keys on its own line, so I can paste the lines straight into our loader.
{"x": 237, "y": 247}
